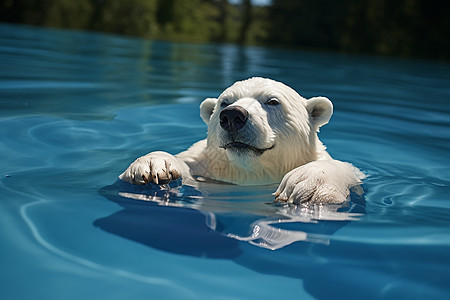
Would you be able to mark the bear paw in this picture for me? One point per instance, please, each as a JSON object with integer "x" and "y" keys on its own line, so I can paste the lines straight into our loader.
{"x": 156, "y": 167}
{"x": 309, "y": 184}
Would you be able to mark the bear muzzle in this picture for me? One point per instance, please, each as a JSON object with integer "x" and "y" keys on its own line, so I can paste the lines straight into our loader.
{"x": 235, "y": 137}
{"x": 233, "y": 118}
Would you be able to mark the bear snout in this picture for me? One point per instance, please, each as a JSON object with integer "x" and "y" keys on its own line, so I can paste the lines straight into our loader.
{"x": 233, "y": 118}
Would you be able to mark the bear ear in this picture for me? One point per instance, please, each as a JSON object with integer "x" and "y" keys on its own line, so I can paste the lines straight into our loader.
{"x": 320, "y": 110}
{"x": 207, "y": 108}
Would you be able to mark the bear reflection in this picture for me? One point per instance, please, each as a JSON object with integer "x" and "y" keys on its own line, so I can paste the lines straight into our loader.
{"x": 212, "y": 223}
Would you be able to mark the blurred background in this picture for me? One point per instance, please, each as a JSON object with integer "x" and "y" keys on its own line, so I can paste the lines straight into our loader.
{"x": 406, "y": 28}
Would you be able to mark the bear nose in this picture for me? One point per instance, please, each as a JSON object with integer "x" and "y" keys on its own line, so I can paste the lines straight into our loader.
{"x": 233, "y": 118}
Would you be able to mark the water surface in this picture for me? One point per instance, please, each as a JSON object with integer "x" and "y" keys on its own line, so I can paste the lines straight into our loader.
{"x": 76, "y": 108}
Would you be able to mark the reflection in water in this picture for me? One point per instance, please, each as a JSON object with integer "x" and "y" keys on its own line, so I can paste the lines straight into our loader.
{"x": 254, "y": 220}
{"x": 266, "y": 234}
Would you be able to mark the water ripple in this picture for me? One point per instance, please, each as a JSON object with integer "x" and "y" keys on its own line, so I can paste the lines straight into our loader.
{"x": 77, "y": 108}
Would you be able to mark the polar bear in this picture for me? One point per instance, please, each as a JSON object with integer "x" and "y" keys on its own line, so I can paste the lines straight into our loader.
{"x": 260, "y": 131}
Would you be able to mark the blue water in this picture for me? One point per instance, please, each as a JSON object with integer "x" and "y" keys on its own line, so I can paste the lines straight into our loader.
{"x": 76, "y": 108}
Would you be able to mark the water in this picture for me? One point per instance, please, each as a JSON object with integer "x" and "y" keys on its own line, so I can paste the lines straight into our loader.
{"x": 76, "y": 108}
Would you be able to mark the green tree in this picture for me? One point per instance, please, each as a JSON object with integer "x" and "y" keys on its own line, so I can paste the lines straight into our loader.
{"x": 68, "y": 13}
{"x": 133, "y": 17}
{"x": 192, "y": 20}
{"x": 307, "y": 23}
{"x": 402, "y": 27}
{"x": 54, "y": 13}
{"x": 246, "y": 21}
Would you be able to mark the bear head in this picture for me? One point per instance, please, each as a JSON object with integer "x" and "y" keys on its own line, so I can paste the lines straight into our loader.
{"x": 262, "y": 123}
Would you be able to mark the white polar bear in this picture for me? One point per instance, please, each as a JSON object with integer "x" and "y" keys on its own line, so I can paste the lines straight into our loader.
{"x": 260, "y": 131}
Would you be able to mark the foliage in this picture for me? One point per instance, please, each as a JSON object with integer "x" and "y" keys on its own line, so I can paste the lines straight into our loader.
{"x": 418, "y": 28}
{"x": 131, "y": 17}
{"x": 188, "y": 20}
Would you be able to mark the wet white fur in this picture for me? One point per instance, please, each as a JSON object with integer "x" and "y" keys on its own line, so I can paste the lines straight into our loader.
{"x": 296, "y": 158}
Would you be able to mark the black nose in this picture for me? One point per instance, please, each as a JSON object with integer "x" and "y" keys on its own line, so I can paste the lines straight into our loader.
{"x": 233, "y": 118}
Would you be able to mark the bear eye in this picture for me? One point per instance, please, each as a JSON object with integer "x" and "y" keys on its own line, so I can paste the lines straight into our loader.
{"x": 273, "y": 101}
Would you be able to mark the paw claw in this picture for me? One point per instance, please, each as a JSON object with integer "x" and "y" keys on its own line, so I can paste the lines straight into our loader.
{"x": 282, "y": 197}
{"x": 158, "y": 168}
